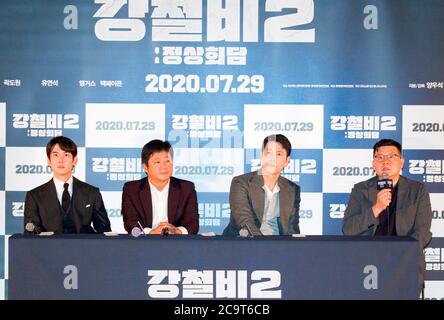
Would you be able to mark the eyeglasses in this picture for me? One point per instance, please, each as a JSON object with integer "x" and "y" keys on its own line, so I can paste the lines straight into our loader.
{"x": 389, "y": 157}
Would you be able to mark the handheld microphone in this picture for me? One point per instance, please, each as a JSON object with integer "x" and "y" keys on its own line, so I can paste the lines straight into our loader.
{"x": 385, "y": 182}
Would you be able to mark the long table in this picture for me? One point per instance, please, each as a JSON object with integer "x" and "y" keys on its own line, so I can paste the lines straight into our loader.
{"x": 198, "y": 267}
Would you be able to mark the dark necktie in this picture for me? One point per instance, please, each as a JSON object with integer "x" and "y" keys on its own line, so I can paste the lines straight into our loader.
{"x": 65, "y": 198}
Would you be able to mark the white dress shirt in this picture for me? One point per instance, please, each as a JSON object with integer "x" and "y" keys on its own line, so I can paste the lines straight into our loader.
{"x": 159, "y": 200}
{"x": 59, "y": 187}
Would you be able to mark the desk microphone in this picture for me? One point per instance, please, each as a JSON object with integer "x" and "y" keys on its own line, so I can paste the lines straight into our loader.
{"x": 31, "y": 228}
{"x": 370, "y": 227}
{"x": 165, "y": 231}
{"x": 135, "y": 232}
{"x": 249, "y": 230}
{"x": 141, "y": 227}
{"x": 245, "y": 231}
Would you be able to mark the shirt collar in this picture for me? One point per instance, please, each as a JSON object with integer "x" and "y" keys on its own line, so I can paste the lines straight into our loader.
{"x": 164, "y": 190}
{"x": 59, "y": 183}
{"x": 276, "y": 188}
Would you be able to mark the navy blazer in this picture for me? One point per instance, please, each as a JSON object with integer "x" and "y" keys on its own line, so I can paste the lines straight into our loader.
{"x": 182, "y": 205}
{"x": 42, "y": 208}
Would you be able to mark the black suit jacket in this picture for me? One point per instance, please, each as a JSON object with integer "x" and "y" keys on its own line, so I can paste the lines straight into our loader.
{"x": 182, "y": 205}
{"x": 42, "y": 208}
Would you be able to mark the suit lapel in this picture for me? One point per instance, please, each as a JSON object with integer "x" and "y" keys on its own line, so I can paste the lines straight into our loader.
{"x": 145, "y": 199}
{"x": 173, "y": 199}
{"x": 402, "y": 199}
{"x": 286, "y": 203}
{"x": 258, "y": 195}
{"x": 77, "y": 202}
{"x": 49, "y": 194}
{"x": 372, "y": 190}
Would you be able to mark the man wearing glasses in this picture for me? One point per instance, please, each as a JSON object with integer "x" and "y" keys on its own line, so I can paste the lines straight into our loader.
{"x": 401, "y": 209}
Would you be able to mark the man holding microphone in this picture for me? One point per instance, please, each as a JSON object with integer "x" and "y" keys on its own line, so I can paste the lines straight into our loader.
{"x": 390, "y": 204}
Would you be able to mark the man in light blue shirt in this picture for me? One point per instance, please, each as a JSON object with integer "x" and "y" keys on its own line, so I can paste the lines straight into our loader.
{"x": 264, "y": 202}
{"x": 269, "y": 224}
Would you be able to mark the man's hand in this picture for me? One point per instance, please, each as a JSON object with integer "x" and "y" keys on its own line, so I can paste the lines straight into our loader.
{"x": 383, "y": 199}
{"x": 165, "y": 226}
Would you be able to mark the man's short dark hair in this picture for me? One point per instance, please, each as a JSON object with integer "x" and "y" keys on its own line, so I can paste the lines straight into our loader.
{"x": 285, "y": 143}
{"x": 386, "y": 143}
{"x": 66, "y": 144}
{"x": 155, "y": 146}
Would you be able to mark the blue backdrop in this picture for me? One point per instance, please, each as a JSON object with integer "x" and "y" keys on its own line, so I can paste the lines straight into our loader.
{"x": 214, "y": 78}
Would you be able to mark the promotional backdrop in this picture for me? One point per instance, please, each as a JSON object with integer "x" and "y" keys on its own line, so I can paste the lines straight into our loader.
{"x": 214, "y": 78}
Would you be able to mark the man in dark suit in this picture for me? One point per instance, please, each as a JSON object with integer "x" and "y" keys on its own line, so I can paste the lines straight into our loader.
{"x": 64, "y": 204}
{"x": 263, "y": 202}
{"x": 160, "y": 203}
{"x": 403, "y": 210}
